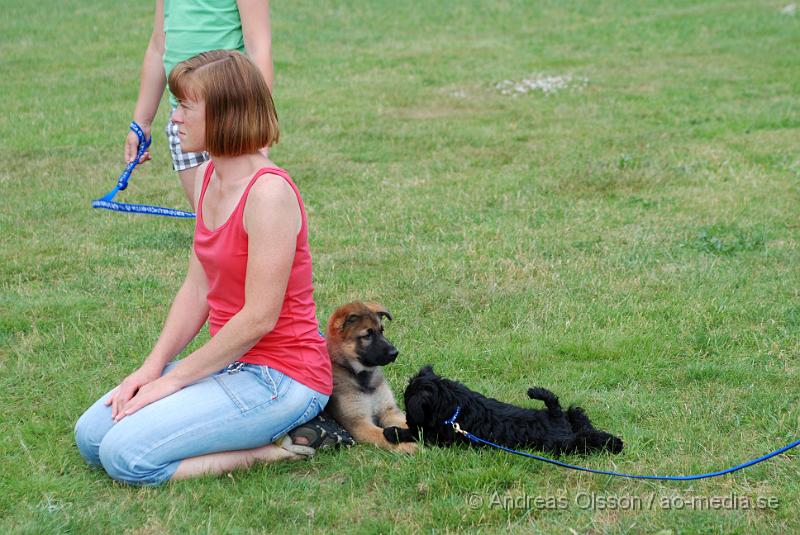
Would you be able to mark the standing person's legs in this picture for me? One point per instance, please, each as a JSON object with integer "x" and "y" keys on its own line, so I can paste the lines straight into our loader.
{"x": 202, "y": 428}
{"x": 184, "y": 162}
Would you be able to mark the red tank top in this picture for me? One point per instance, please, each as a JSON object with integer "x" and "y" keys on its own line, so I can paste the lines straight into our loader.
{"x": 295, "y": 346}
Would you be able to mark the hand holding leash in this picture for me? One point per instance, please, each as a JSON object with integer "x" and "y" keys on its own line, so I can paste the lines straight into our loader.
{"x": 132, "y": 146}
{"x": 107, "y": 201}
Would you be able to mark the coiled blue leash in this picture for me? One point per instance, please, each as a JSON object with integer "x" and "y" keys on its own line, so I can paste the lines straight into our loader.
{"x": 452, "y": 422}
{"x": 107, "y": 201}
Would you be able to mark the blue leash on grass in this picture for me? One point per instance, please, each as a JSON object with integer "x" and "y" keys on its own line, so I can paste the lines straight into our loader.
{"x": 452, "y": 422}
{"x": 107, "y": 201}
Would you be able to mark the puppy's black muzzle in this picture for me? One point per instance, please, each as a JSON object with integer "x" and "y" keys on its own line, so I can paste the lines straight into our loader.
{"x": 379, "y": 353}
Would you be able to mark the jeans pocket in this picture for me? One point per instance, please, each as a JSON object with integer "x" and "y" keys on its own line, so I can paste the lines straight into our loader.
{"x": 248, "y": 387}
{"x": 272, "y": 378}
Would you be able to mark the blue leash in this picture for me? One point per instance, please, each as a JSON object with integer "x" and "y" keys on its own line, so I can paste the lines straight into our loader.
{"x": 452, "y": 422}
{"x": 107, "y": 201}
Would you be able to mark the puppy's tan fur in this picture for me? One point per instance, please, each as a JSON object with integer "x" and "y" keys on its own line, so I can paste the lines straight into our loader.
{"x": 362, "y": 400}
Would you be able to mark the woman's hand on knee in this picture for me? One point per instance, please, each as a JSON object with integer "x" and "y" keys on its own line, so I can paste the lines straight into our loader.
{"x": 128, "y": 388}
{"x": 147, "y": 394}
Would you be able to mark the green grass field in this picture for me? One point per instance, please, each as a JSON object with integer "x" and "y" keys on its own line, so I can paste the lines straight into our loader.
{"x": 629, "y": 242}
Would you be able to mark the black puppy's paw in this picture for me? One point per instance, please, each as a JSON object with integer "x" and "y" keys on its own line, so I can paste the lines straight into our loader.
{"x": 396, "y": 435}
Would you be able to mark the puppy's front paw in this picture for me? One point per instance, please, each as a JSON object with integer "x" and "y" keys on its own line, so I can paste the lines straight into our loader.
{"x": 392, "y": 434}
{"x": 396, "y": 435}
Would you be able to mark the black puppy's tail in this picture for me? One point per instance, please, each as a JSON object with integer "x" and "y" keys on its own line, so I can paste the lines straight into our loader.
{"x": 587, "y": 438}
{"x": 550, "y": 400}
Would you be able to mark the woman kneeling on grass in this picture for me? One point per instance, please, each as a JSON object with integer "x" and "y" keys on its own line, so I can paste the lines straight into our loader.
{"x": 265, "y": 370}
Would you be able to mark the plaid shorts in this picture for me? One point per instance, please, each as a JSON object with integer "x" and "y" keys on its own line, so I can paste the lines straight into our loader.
{"x": 182, "y": 160}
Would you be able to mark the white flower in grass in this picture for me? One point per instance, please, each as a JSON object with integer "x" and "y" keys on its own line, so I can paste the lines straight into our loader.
{"x": 540, "y": 82}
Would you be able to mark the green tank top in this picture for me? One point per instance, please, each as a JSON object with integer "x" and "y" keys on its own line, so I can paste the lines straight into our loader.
{"x": 194, "y": 26}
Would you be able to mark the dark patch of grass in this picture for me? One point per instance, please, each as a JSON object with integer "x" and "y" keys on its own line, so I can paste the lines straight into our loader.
{"x": 727, "y": 239}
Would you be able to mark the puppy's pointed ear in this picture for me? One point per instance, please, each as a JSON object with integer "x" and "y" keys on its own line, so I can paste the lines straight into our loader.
{"x": 350, "y": 320}
{"x": 342, "y": 318}
{"x": 379, "y": 310}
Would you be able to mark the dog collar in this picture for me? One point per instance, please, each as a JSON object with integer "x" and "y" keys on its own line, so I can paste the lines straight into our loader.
{"x": 452, "y": 420}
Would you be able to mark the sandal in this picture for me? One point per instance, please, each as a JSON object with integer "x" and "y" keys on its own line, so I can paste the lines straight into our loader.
{"x": 320, "y": 432}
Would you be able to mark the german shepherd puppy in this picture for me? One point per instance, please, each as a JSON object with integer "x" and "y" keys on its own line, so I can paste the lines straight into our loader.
{"x": 362, "y": 400}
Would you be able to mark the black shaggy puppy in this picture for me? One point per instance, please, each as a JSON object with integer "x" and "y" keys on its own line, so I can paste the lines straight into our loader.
{"x": 431, "y": 400}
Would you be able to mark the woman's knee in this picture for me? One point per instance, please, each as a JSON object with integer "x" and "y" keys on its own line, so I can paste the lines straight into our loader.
{"x": 88, "y": 436}
{"x": 130, "y": 462}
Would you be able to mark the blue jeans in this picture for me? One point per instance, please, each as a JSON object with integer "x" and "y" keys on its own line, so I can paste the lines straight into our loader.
{"x": 242, "y": 406}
